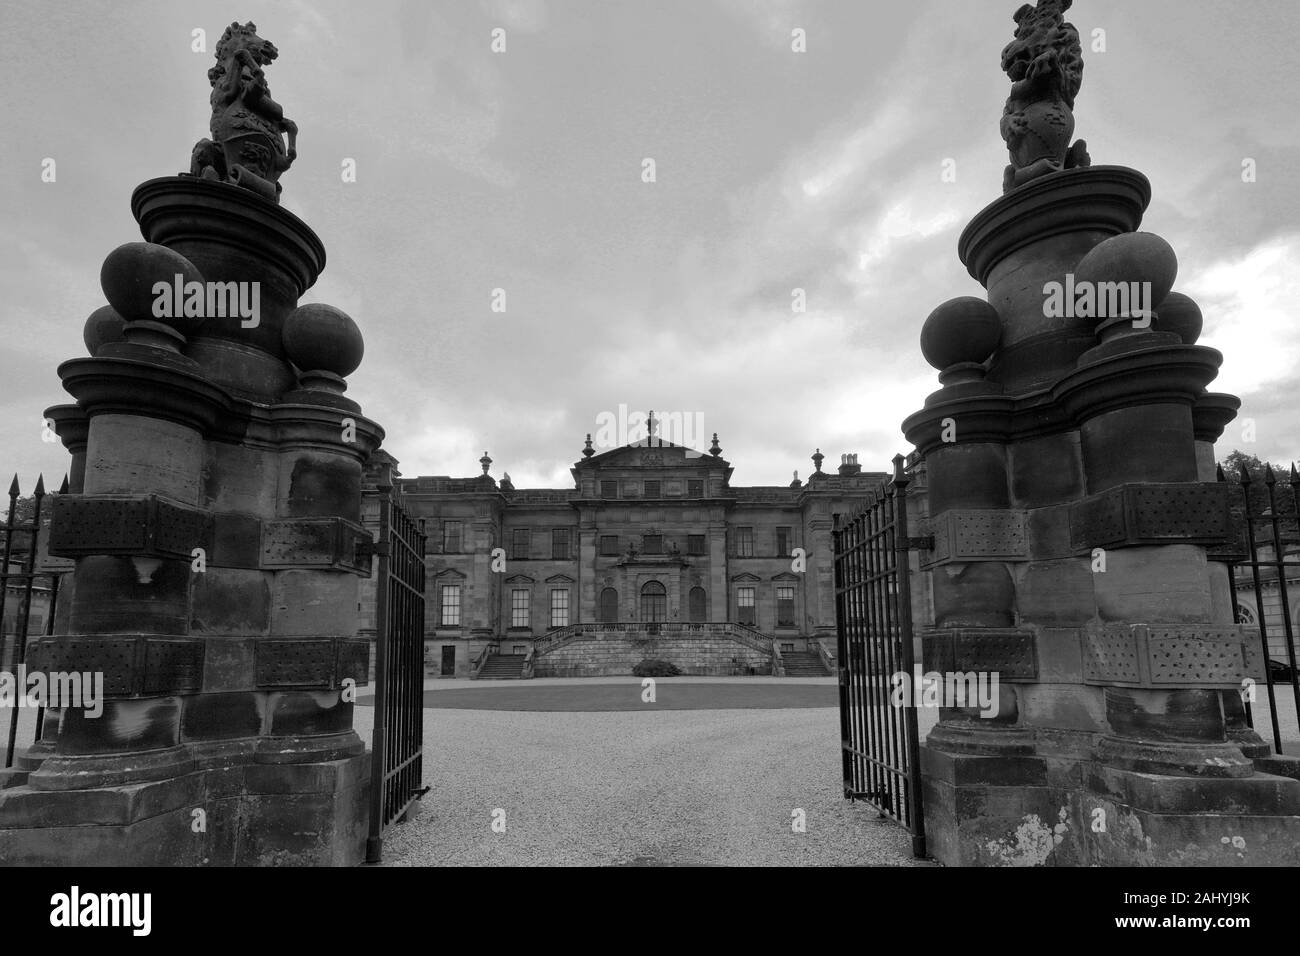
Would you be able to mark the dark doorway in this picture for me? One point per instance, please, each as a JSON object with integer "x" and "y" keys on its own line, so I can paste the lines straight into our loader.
{"x": 697, "y": 606}
{"x": 449, "y": 660}
{"x": 654, "y": 603}
{"x": 608, "y": 606}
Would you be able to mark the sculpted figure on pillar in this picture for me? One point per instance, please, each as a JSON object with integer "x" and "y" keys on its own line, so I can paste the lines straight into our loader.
{"x": 248, "y": 127}
{"x": 1045, "y": 63}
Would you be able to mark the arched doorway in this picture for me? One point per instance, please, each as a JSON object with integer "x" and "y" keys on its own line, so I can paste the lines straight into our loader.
{"x": 697, "y": 605}
{"x": 608, "y": 606}
{"x": 654, "y": 603}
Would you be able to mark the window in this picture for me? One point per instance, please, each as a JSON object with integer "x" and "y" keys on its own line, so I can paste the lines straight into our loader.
{"x": 608, "y": 606}
{"x": 652, "y": 544}
{"x": 559, "y": 607}
{"x": 652, "y": 489}
{"x": 451, "y": 605}
{"x": 695, "y": 488}
{"x": 519, "y": 607}
{"x": 695, "y": 544}
{"x": 783, "y": 538}
{"x": 450, "y": 537}
{"x": 560, "y": 544}
{"x": 744, "y": 542}
{"x": 609, "y": 489}
{"x": 654, "y": 602}
{"x": 520, "y": 544}
{"x": 609, "y": 545}
{"x": 745, "y": 605}
{"x": 785, "y": 606}
{"x": 698, "y": 606}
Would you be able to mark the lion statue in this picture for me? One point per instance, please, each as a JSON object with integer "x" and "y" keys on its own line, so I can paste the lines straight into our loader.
{"x": 1045, "y": 63}
{"x": 248, "y": 127}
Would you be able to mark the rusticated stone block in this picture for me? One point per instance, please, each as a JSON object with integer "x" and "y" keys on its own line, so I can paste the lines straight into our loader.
{"x": 1140, "y": 655}
{"x": 315, "y": 543}
{"x": 133, "y": 665}
{"x": 323, "y": 662}
{"x": 1137, "y": 514}
{"x": 146, "y": 525}
{"x": 977, "y": 535}
{"x": 1006, "y": 652}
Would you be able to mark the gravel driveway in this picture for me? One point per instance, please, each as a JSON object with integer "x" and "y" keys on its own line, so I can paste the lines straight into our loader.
{"x": 667, "y": 787}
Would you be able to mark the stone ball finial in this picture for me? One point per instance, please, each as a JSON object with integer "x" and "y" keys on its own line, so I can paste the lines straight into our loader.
{"x": 961, "y": 331}
{"x": 323, "y": 342}
{"x": 1133, "y": 259}
{"x": 148, "y": 283}
{"x": 1181, "y": 315}
{"x": 104, "y": 325}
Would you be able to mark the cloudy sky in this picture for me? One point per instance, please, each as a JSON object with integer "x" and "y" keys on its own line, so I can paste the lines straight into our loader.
{"x": 522, "y": 171}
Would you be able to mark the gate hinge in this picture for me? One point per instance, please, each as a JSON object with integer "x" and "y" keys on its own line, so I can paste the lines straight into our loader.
{"x": 419, "y": 794}
{"x": 924, "y": 543}
{"x": 367, "y": 548}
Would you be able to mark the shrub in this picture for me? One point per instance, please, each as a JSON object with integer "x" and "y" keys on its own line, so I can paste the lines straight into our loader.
{"x": 654, "y": 667}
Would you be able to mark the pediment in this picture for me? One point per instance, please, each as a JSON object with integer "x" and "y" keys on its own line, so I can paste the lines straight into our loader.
{"x": 559, "y": 579}
{"x": 746, "y": 577}
{"x": 520, "y": 579}
{"x": 449, "y": 573}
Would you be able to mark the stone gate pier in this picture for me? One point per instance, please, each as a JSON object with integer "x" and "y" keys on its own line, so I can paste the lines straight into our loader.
{"x": 214, "y": 520}
{"x": 1075, "y": 514}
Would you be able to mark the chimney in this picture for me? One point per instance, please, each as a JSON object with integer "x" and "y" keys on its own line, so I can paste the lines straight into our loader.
{"x": 849, "y": 465}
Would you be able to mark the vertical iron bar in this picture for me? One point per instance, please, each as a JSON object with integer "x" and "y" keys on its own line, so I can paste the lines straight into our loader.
{"x": 378, "y": 746}
{"x": 1288, "y": 633}
{"x": 909, "y": 654}
{"x": 1252, "y": 549}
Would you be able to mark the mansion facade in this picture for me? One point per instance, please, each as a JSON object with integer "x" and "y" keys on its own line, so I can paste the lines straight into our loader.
{"x": 651, "y": 535}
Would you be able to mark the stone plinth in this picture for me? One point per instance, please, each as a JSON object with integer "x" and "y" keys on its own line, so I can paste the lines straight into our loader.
{"x": 1072, "y": 501}
{"x": 215, "y": 525}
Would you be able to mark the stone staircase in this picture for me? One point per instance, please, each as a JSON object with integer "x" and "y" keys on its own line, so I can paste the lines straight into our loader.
{"x": 804, "y": 664}
{"x": 503, "y": 667}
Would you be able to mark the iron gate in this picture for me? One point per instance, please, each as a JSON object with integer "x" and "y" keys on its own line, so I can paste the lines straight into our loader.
{"x": 397, "y": 750}
{"x": 1266, "y": 551}
{"x": 873, "y": 618}
{"x": 28, "y": 595}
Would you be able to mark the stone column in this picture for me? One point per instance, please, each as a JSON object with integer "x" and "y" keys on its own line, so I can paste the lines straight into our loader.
{"x": 1071, "y": 508}
{"x": 218, "y": 546}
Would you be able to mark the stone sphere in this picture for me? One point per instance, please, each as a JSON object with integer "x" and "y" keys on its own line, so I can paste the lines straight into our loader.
{"x": 965, "y": 329}
{"x": 321, "y": 337}
{"x": 129, "y": 275}
{"x": 1181, "y": 315}
{"x": 1131, "y": 257}
{"x": 103, "y": 326}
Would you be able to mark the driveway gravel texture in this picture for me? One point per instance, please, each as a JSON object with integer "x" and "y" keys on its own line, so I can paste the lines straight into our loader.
{"x": 648, "y": 787}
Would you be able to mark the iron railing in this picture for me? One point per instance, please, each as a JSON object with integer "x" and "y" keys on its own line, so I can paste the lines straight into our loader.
{"x": 19, "y": 589}
{"x": 398, "y": 744}
{"x": 1268, "y": 553}
{"x": 880, "y": 745}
